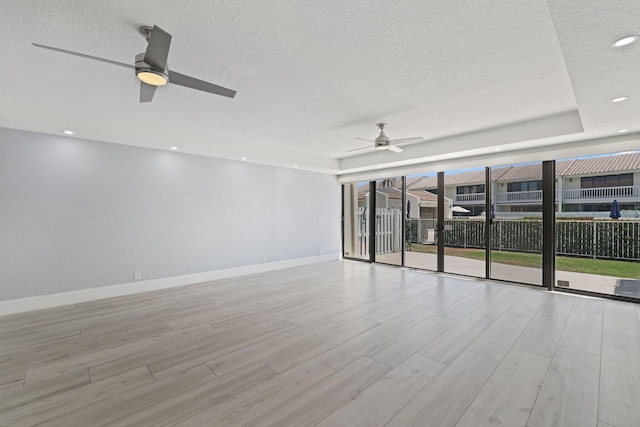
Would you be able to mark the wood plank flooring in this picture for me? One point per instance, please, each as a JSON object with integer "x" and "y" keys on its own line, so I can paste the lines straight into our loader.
{"x": 334, "y": 344}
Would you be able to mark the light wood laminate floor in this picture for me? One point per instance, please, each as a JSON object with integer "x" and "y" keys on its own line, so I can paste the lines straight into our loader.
{"x": 333, "y": 344}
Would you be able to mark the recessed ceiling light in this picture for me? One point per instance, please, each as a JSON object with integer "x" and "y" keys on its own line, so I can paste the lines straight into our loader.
{"x": 623, "y": 130}
{"x": 625, "y": 41}
{"x": 68, "y": 132}
{"x": 295, "y": 166}
{"x": 244, "y": 158}
{"x": 620, "y": 99}
{"x": 498, "y": 149}
{"x": 174, "y": 148}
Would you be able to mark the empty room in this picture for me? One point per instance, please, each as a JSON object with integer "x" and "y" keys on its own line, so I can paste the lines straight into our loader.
{"x": 297, "y": 213}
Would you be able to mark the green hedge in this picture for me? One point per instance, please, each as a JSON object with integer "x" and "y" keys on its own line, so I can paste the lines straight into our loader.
{"x": 596, "y": 239}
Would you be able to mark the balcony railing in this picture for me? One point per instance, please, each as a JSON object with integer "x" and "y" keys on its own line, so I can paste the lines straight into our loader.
{"x": 606, "y": 193}
{"x": 575, "y": 195}
{"x": 519, "y": 196}
{"x": 470, "y": 198}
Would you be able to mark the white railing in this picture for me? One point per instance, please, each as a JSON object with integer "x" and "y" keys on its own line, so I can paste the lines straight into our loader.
{"x": 607, "y": 193}
{"x": 519, "y": 196}
{"x": 470, "y": 198}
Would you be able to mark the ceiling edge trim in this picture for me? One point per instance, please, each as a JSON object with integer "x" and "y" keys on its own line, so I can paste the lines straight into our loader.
{"x": 607, "y": 145}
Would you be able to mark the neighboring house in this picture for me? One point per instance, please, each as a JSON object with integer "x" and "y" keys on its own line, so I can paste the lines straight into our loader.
{"x": 421, "y": 204}
{"x": 591, "y": 185}
{"x": 582, "y": 185}
{"x": 465, "y": 189}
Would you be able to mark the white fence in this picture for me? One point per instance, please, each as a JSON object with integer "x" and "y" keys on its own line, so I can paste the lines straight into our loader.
{"x": 388, "y": 233}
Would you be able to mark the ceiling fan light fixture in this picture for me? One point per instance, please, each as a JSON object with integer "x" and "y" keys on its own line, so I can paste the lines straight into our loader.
{"x": 382, "y": 147}
{"x": 152, "y": 77}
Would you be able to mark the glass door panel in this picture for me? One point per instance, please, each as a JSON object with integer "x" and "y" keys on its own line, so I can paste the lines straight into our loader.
{"x": 388, "y": 227}
{"x": 516, "y": 229}
{"x": 421, "y": 217}
{"x": 597, "y": 226}
{"x": 356, "y": 220}
{"x": 464, "y": 222}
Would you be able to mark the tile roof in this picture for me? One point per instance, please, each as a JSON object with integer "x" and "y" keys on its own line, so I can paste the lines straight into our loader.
{"x": 564, "y": 166}
{"x": 395, "y": 194}
{"x": 521, "y": 173}
{"x": 461, "y": 178}
{"x": 392, "y": 193}
{"x": 424, "y": 182}
{"x": 605, "y": 164}
{"x": 424, "y": 195}
{"x": 411, "y": 181}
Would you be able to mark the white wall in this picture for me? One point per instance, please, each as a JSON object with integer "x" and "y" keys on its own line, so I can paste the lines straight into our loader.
{"x": 78, "y": 214}
{"x": 450, "y": 192}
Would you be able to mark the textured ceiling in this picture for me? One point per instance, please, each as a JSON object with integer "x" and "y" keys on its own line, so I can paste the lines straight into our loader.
{"x": 312, "y": 76}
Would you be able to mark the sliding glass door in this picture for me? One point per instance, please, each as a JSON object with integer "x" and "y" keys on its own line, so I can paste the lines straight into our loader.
{"x": 421, "y": 218}
{"x": 464, "y": 222}
{"x": 355, "y": 205}
{"x": 598, "y": 225}
{"x": 589, "y": 223}
{"x": 516, "y": 226}
{"x": 388, "y": 224}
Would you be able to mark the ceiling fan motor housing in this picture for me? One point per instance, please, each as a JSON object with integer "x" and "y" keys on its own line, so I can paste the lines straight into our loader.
{"x": 382, "y": 141}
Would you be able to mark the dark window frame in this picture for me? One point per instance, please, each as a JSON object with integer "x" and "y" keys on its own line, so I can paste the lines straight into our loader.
{"x": 606, "y": 181}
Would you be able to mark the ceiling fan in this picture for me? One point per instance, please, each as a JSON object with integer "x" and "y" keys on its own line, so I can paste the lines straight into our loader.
{"x": 151, "y": 66}
{"x": 382, "y": 142}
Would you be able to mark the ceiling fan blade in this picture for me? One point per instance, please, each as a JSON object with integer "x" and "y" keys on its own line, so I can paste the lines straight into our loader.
{"x": 158, "y": 49}
{"x": 407, "y": 140}
{"x": 369, "y": 140}
{"x": 394, "y": 148}
{"x": 193, "y": 83}
{"x": 146, "y": 92}
{"x": 356, "y": 149}
{"x": 108, "y": 61}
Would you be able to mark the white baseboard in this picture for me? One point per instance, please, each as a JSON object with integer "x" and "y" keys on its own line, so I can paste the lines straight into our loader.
{"x": 74, "y": 297}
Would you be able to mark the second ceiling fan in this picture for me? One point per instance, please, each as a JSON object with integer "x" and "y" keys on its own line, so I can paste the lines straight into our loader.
{"x": 382, "y": 142}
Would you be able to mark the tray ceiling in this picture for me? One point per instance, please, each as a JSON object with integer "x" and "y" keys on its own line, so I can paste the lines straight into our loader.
{"x": 469, "y": 77}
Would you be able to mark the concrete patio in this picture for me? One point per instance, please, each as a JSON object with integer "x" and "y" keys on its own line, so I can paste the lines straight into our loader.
{"x": 470, "y": 267}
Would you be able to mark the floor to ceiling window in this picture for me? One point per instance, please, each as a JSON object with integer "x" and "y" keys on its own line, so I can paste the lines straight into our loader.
{"x": 464, "y": 222}
{"x": 355, "y": 205}
{"x": 516, "y": 225}
{"x": 421, "y": 217}
{"x": 591, "y": 217}
{"x": 598, "y": 224}
{"x": 388, "y": 225}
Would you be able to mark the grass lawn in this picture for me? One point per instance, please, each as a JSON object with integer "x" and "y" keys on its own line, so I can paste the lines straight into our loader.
{"x": 603, "y": 267}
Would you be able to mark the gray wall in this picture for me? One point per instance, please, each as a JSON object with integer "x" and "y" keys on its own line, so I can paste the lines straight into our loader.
{"x": 77, "y": 214}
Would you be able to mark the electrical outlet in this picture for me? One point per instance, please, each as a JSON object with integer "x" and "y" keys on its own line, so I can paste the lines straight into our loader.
{"x": 137, "y": 275}
{"x": 264, "y": 259}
